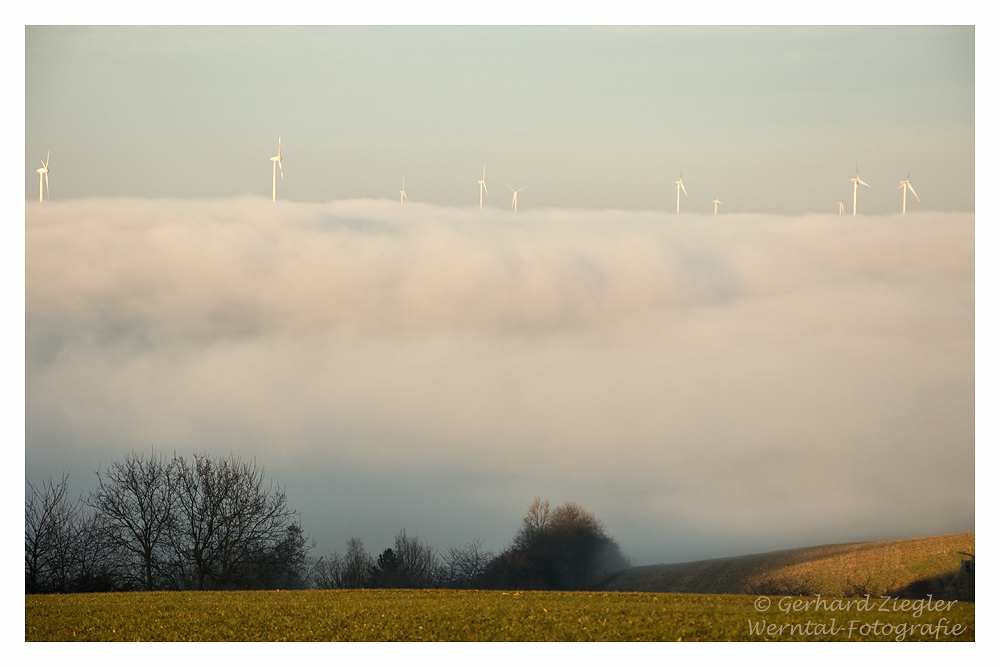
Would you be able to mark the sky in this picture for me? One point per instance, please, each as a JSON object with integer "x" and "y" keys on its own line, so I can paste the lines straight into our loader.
{"x": 772, "y": 377}
{"x": 766, "y": 119}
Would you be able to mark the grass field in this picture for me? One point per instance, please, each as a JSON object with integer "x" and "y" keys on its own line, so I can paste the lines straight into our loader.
{"x": 448, "y": 615}
{"x": 836, "y": 570}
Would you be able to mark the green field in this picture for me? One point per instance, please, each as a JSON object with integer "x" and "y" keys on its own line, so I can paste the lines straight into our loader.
{"x": 448, "y": 615}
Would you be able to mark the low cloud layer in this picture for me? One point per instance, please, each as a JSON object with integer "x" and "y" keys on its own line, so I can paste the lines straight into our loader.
{"x": 706, "y": 385}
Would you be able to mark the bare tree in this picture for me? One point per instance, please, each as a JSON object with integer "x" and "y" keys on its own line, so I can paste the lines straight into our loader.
{"x": 534, "y": 523}
{"x": 463, "y": 568}
{"x": 65, "y": 549}
{"x": 286, "y": 564}
{"x": 357, "y": 565}
{"x": 49, "y": 531}
{"x": 226, "y": 518}
{"x": 97, "y": 562}
{"x": 328, "y": 572}
{"x": 135, "y": 499}
{"x": 356, "y": 569}
{"x": 417, "y": 561}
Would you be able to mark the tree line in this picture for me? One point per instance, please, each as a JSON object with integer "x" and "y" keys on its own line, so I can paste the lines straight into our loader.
{"x": 204, "y": 523}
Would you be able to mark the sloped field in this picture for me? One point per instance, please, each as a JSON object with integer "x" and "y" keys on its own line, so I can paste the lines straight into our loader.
{"x": 875, "y": 568}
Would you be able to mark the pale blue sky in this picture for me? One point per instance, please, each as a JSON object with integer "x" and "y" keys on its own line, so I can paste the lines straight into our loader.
{"x": 765, "y": 119}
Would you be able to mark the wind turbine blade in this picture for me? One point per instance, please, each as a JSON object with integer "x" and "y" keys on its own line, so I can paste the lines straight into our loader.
{"x": 49, "y": 194}
{"x": 485, "y": 189}
{"x": 281, "y": 170}
{"x": 907, "y": 185}
{"x": 863, "y": 183}
{"x": 685, "y": 190}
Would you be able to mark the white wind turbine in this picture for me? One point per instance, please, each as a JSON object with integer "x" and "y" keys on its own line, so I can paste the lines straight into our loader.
{"x": 857, "y": 180}
{"x": 513, "y": 204}
{"x": 482, "y": 187}
{"x": 841, "y": 207}
{"x": 44, "y": 172}
{"x": 276, "y": 167}
{"x": 402, "y": 193}
{"x": 902, "y": 184}
{"x": 716, "y": 202}
{"x": 680, "y": 186}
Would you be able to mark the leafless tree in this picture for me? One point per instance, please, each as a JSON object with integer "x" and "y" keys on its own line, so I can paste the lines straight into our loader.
{"x": 417, "y": 561}
{"x": 226, "y": 519}
{"x": 328, "y": 572}
{"x": 463, "y": 568}
{"x": 358, "y": 565}
{"x": 65, "y": 549}
{"x": 49, "y": 531}
{"x": 534, "y": 523}
{"x": 135, "y": 499}
{"x": 286, "y": 565}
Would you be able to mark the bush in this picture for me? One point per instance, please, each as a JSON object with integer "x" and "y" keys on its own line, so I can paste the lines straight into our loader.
{"x": 565, "y": 549}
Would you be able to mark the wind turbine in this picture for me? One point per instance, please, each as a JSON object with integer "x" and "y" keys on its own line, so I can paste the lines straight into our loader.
{"x": 857, "y": 180}
{"x": 841, "y": 204}
{"x": 482, "y": 187}
{"x": 680, "y": 186}
{"x": 44, "y": 172}
{"x": 716, "y": 202}
{"x": 513, "y": 204}
{"x": 402, "y": 193}
{"x": 902, "y": 184}
{"x": 277, "y": 166}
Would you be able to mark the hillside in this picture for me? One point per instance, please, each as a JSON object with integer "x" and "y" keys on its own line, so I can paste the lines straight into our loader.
{"x": 910, "y": 568}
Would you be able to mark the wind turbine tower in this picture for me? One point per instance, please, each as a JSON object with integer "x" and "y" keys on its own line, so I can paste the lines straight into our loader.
{"x": 482, "y": 187}
{"x": 402, "y": 193}
{"x": 902, "y": 184}
{"x": 857, "y": 180}
{"x": 277, "y": 167}
{"x": 716, "y": 202}
{"x": 680, "y": 186}
{"x": 44, "y": 173}
{"x": 841, "y": 204}
{"x": 513, "y": 204}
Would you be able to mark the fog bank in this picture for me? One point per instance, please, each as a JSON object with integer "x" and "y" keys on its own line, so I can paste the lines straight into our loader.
{"x": 707, "y": 385}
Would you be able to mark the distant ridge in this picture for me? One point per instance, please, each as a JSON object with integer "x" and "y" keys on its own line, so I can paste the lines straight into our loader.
{"x": 909, "y": 568}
